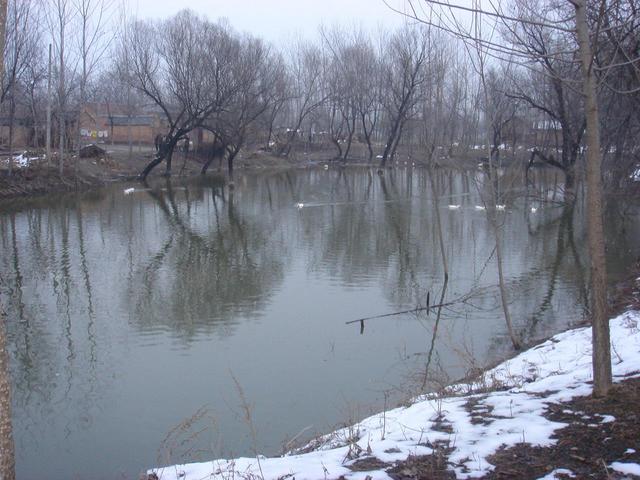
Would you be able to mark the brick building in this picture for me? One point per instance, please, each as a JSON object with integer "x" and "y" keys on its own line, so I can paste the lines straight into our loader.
{"x": 112, "y": 123}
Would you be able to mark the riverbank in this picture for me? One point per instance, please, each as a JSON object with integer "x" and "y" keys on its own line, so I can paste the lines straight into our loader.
{"x": 33, "y": 176}
{"x": 530, "y": 417}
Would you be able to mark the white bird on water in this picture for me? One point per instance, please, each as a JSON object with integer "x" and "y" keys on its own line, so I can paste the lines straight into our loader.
{"x": 129, "y": 190}
{"x": 454, "y": 207}
{"x": 534, "y": 209}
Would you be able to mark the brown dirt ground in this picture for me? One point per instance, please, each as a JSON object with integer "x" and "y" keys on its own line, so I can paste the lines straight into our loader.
{"x": 586, "y": 446}
{"x": 115, "y": 165}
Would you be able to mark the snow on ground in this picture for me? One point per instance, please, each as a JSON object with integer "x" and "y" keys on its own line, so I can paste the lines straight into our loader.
{"x": 23, "y": 160}
{"x": 626, "y": 468}
{"x": 558, "y": 471}
{"x": 511, "y": 399}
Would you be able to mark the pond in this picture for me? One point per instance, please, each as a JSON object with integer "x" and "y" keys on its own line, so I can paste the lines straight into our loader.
{"x": 187, "y": 321}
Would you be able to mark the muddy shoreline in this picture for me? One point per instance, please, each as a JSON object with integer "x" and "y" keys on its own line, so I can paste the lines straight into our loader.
{"x": 119, "y": 165}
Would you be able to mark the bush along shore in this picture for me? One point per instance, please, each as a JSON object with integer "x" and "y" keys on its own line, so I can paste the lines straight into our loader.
{"x": 530, "y": 417}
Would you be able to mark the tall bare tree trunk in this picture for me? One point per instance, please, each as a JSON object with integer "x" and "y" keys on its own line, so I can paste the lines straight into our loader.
{"x": 7, "y": 452}
{"x": 602, "y": 379}
{"x": 12, "y": 118}
{"x": 61, "y": 104}
{"x": 7, "y": 449}
{"x": 48, "y": 146}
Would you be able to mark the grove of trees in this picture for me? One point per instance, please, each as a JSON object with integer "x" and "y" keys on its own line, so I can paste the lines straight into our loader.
{"x": 410, "y": 94}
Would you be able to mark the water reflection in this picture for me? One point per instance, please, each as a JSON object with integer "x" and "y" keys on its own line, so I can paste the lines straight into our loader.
{"x": 127, "y": 314}
{"x": 213, "y": 266}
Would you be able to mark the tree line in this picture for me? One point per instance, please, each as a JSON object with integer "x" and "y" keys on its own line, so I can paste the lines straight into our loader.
{"x": 413, "y": 91}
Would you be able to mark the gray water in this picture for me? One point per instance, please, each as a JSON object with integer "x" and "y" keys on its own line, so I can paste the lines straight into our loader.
{"x": 129, "y": 314}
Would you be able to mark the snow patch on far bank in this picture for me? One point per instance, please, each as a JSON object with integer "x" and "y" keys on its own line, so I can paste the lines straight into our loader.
{"x": 555, "y": 371}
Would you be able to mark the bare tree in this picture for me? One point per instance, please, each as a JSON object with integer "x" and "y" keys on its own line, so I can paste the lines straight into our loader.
{"x": 549, "y": 86}
{"x": 557, "y": 17}
{"x": 256, "y": 72}
{"x": 7, "y": 448}
{"x": 404, "y": 72}
{"x": 602, "y": 378}
{"x": 19, "y": 52}
{"x": 184, "y": 65}
{"x": 280, "y": 94}
{"x": 61, "y": 16}
{"x": 352, "y": 84}
{"x": 307, "y": 95}
{"x": 94, "y": 41}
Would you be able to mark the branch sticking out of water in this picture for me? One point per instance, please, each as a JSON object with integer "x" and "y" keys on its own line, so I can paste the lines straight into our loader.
{"x": 426, "y": 308}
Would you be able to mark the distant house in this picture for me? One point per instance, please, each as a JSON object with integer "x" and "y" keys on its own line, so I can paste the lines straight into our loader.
{"x": 545, "y": 133}
{"x": 22, "y": 131}
{"x": 115, "y": 123}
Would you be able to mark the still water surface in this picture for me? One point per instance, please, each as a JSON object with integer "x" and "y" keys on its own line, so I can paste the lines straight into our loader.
{"x": 128, "y": 314}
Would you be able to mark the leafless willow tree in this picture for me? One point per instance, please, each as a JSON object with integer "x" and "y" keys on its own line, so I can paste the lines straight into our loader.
{"x": 351, "y": 81}
{"x": 307, "y": 94}
{"x": 257, "y": 71}
{"x": 404, "y": 73}
{"x": 185, "y": 66}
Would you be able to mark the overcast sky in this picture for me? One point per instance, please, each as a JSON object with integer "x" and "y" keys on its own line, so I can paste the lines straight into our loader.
{"x": 278, "y": 20}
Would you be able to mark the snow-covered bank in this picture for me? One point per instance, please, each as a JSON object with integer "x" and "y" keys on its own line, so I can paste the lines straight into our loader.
{"x": 472, "y": 423}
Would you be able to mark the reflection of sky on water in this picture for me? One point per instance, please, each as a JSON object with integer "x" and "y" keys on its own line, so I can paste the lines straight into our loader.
{"x": 128, "y": 313}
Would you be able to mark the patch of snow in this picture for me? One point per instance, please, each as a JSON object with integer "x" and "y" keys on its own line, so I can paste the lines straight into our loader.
{"x": 629, "y": 451}
{"x": 128, "y": 191}
{"x": 607, "y": 419}
{"x": 626, "y": 468}
{"x": 23, "y": 160}
{"x": 635, "y": 176}
{"x": 558, "y": 471}
{"x": 554, "y": 371}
